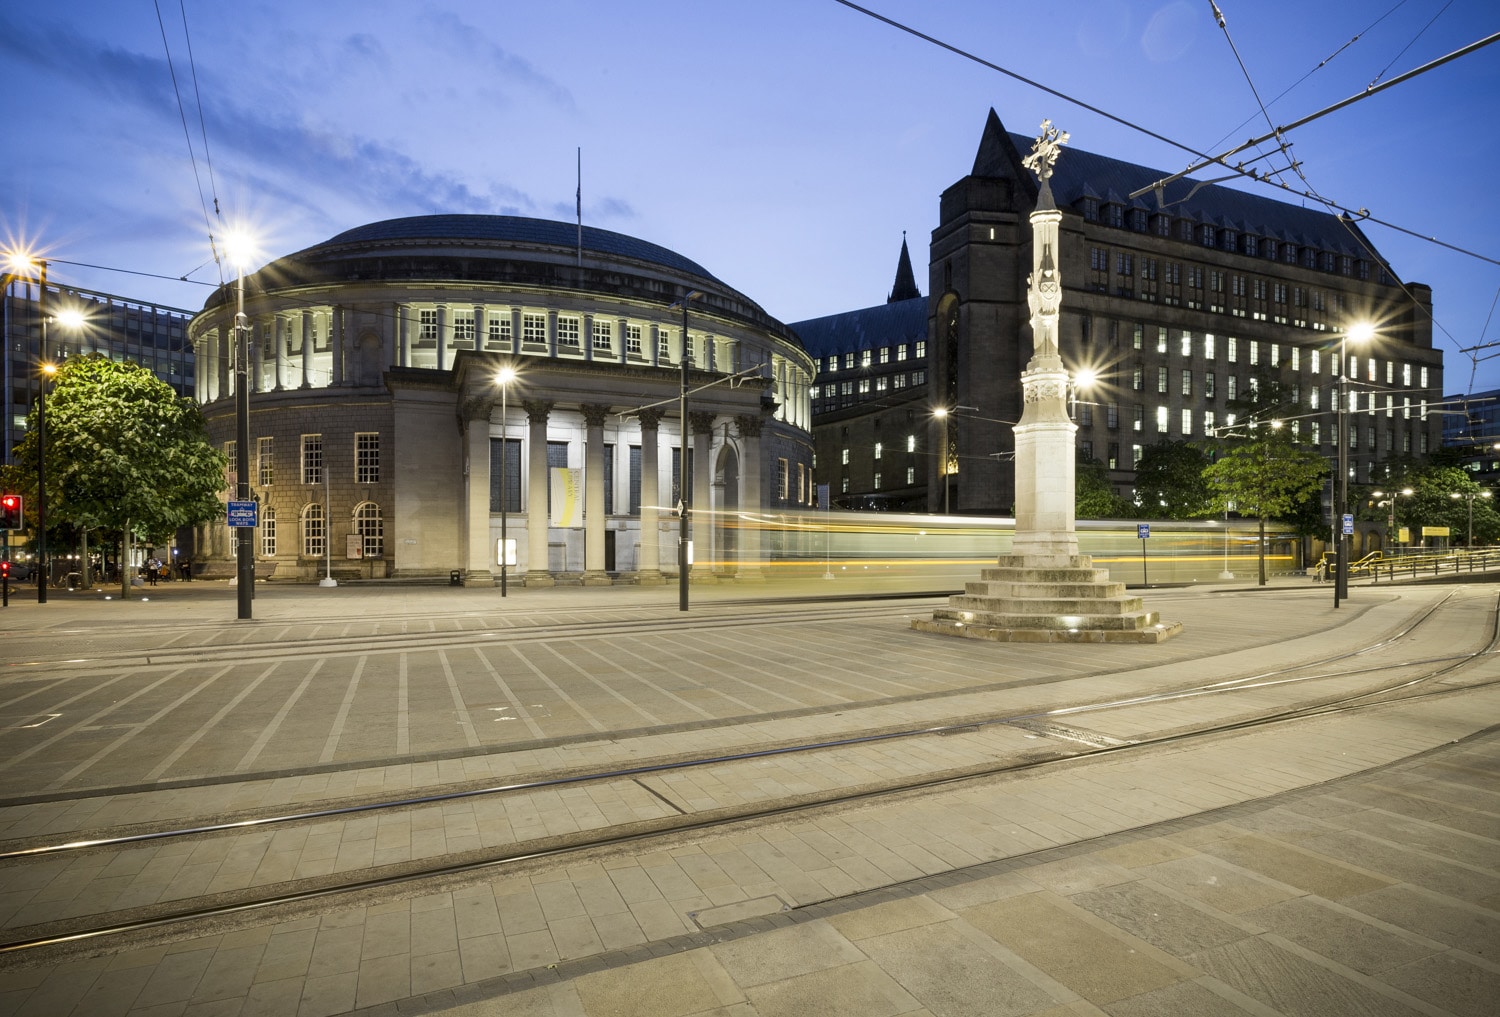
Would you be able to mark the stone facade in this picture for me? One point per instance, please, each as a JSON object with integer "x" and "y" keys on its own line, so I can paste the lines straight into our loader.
{"x": 385, "y": 343}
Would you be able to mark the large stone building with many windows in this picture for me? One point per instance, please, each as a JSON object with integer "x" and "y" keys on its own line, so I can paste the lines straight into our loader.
{"x": 385, "y": 446}
{"x": 1180, "y": 305}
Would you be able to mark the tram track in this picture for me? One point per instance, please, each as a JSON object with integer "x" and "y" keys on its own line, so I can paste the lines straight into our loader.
{"x": 1408, "y": 681}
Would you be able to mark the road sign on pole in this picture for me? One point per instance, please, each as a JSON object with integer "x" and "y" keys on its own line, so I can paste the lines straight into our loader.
{"x": 244, "y": 513}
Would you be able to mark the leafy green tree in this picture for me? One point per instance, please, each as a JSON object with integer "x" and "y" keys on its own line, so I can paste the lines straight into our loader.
{"x": 1267, "y": 476}
{"x": 1433, "y": 502}
{"x": 1169, "y": 481}
{"x": 1093, "y": 496}
{"x": 124, "y": 452}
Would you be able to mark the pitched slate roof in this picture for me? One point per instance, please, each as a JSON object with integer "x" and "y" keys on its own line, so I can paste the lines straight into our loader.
{"x": 1079, "y": 172}
{"x": 899, "y": 321}
{"x": 508, "y": 230}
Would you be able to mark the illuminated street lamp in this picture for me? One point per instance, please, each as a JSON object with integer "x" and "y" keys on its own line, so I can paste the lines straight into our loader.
{"x": 1360, "y": 332}
{"x": 20, "y": 262}
{"x": 503, "y": 378}
{"x": 1470, "y": 496}
{"x": 941, "y": 414}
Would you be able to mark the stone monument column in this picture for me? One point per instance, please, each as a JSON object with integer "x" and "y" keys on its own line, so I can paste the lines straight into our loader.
{"x": 537, "y": 484}
{"x": 751, "y": 550}
{"x": 1044, "y": 437}
{"x": 648, "y": 557}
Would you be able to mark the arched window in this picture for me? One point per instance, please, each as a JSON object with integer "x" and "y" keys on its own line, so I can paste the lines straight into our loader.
{"x": 314, "y": 531}
{"x": 371, "y": 529}
{"x": 267, "y": 532}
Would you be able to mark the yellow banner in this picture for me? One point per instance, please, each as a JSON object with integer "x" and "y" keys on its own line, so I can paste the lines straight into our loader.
{"x": 567, "y": 497}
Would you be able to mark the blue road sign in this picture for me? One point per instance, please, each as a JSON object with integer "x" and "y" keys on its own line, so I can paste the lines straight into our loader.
{"x": 244, "y": 513}
{"x": 1143, "y": 530}
{"x": 1348, "y": 523}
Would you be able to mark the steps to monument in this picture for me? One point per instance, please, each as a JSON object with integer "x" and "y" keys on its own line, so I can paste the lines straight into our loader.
{"x": 1054, "y": 591}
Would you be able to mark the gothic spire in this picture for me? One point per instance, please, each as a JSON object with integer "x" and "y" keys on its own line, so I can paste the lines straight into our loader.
{"x": 906, "y": 282}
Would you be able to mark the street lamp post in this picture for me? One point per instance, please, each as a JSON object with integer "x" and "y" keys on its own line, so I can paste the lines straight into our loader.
{"x": 684, "y": 503}
{"x": 503, "y": 378}
{"x": 1470, "y": 496}
{"x": 20, "y": 261}
{"x": 1390, "y": 503}
{"x": 1359, "y": 332}
{"x": 244, "y": 552}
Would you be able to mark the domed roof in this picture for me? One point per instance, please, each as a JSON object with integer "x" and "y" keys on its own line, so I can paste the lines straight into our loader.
{"x": 506, "y": 230}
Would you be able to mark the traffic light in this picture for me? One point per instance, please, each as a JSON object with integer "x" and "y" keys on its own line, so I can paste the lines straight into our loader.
{"x": 10, "y": 512}
{"x": 4, "y": 570}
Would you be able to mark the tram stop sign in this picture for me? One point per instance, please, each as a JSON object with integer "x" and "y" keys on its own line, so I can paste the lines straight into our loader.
{"x": 243, "y": 513}
{"x": 1143, "y": 530}
{"x": 1348, "y": 524}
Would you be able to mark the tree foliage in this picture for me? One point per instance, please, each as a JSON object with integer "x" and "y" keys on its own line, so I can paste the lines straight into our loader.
{"x": 1432, "y": 501}
{"x": 1169, "y": 481}
{"x": 1093, "y": 496}
{"x": 124, "y": 452}
{"x": 1268, "y": 476}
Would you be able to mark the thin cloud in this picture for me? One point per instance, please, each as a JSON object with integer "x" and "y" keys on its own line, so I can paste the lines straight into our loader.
{"x": 504, "y": 64}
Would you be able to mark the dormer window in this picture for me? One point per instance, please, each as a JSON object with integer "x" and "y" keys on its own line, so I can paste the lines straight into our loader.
{"x": 1248, "y": 244}
{"x": 1228, "y": 240}
{"x": 1091, "y": 209}
{"x": 1162, "y": 225}
{"x": 1208, "y": 236}
{"x": 1114, "y": 215}
{"x": 1138, "y": 220}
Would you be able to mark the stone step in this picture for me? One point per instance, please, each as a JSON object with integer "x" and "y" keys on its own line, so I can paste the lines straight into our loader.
{"x": 1156, "y": 633}
{"x": 1016, "y": 574}
{"x": 1063, "y": 606}
{"x": 1044, "y": 590}
{"x": 1010, "y": 620}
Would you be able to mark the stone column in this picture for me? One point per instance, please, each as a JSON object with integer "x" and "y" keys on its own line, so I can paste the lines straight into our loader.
{"x": 588, "y": 338}
{"x": 481, "y": 327}
{"x": 515, "y": 331}
{"x": 308, "y": 330}
{"x": 648, "y": 557}
{"x": 623, "y": 326}
{"x": 654, "y": 338}
{"x": 403, "y": 335}
{"x": 552, "y": 334}
{"x": 537, "y": 412}
{"x": 442, "y": 337}
{"x": 476, "y": 531}
{"x": 336, "y": 344}
{"x": 702, "y": 519}
{"x": 279, "y": 337}
{"x": 594, "y": 415}
{"x": 223, "y": 354}
{"x": 751, "y": 553}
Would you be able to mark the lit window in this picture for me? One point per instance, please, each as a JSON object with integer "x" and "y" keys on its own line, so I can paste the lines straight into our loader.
{"x": 633, "y": 340}
{"x": 312, "y": 459}
{"x": 604, "y": 335}
{"x": 268, "y": 532}
{"x": 567, "y": 332}
{"x": 911, "y": 443}
{"x": 534, "y": 329}
{"x": 263, "y": 449}
{"x": 367, "y": 458}
{"x": 879, "y": 448}
{"x": 314, "y": 533}
{"x": 370, "y": 527}
{"x": 844, "y": 456}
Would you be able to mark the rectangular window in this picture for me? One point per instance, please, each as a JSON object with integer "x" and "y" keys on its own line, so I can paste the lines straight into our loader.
{"x": 1137, "y": 336}
{"x": 911, "y": 443}
{"x": 1139, "y": 423}
{"x": 900, "y": 351}
{"x": 1187, "y": 382}
{"x": 879, "y": 449}
{"x": 1161, "y": 339}
{"x": 268, "y": 532}
{"x": 1112, "y": 416}
{"x": 843, "y": 457}
{"x": 557, "y": 459}
{"x": 264, "y": 466}
{"x": 1254, "y": 352}
{"x": 664, "y": 345}
{"x": 1208, "y": 385}
{"x": 567, "y": 332}
{"x": 633, "y": 340}
{"x": 367, "y": 457}
{"x": 1161, "y": 420}
{"x": 1231, "y": 349}
{"x": 314, "y": 531}
{"x": 1161, "y": 381}
{"x": 848, "y": 361}
{"x": 312, "y": 459}
{"x": 1187, "y": 344}
{"x": 499, "y": 330}
{"x": 877, "y": 480}
{"x": 505, "y": 462}
{"x": 1233, "y": 384}
{"x": 604, "y": 335}
{"x": 1187, "y": 423}
{"x": 782, "y": 479}
{"x": 1138, "y": 379}
{"x": 534, "y": 329}
{"x": 427, "y": 326}
{"x": 463, "y": 330}
{"x": 885, "y": 354}
{"x": 921, "y": 352}
{"x": 634, "y": 468}
{"x": 1208, "y": 346}
{"x": 1135, "y": 455}
{"x": 911, "y": 475}
{"x": 609, "y": 479}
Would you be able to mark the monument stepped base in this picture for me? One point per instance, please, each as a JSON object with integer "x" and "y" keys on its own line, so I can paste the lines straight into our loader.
{"x": 1026, "y": 601}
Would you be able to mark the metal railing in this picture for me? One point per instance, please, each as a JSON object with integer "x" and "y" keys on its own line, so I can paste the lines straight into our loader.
{"x": 1421, "y": 564}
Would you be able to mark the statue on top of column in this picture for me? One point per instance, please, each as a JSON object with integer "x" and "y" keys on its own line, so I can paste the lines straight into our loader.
{"x": 1045, "y": 150}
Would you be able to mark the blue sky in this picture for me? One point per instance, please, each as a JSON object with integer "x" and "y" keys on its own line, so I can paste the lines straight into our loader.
{"x": 783, "y": 144}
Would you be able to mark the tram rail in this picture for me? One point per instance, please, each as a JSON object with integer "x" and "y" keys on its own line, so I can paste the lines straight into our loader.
{"x": 1389, "y": 681}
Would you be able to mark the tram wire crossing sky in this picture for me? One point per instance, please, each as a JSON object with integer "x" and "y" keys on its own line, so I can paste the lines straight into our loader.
{"x": 784, "y": 145}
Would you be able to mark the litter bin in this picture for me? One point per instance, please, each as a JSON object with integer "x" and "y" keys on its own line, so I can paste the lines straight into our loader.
{"x": 74, "y": 580}
{"x": 456, "y": 578}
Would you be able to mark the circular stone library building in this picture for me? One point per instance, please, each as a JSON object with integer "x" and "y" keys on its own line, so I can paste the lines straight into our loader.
{"x": 385, "y": 444}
